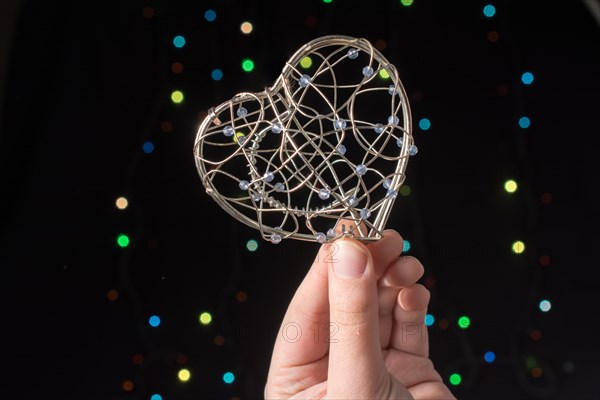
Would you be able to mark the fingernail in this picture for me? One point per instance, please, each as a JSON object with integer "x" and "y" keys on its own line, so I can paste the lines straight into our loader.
{"x": 351, "y": 260}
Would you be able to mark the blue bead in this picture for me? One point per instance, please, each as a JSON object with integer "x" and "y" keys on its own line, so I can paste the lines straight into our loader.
{"x": 304, "y": 80}
{"x": 352, "y": 200}
{"x": 412, "y": 150}
{"x": 228, "y": 130}
{"x": 391, "y": 194}
{"x": 277, "y": 127}
{"x": 352, "y": 54}
{"x": 392, "y": 90}
{"x": 244, "y": 185}
{"x": 339, "y": 124}
{"x": 268, "y": 176}
{"x": 400, "y": 142}
{"x": 393, "y": 120}
{"x": 341, "y": 149}
{"x": 241, "y": 112}
{"x": 378, "y": 128}
{"x": 275, "y": 238}
{"x": 324, "y": 194}
{"x": 279, "y": 187}
{"x": 320, "y": 236}
{"x": 387, "y": 184}
{"x": 367, "y": 71}
{"x": 361, "y": 169}
{"x": 331, "y": 233}
{"x": 365, "y": 213}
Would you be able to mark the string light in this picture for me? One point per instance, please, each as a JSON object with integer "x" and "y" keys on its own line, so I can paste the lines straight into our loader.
{"x": 123, "y": 240}
{"x": 121, "y": 203}
{"x": 112, "y": 295}
{"x": 156, "y": 396}
{"x": 177, "y": 96}
{"x": 154, "y": 321}
{"x": 383, "y": 74}
{"x": 455, "y": 379}
{"x": 464, "y": 322}
{"x": 510, "y": 186}
{"x": 252, "y": 245}
{"x": 148, "y": 147}
{"x": 228, "y": 377}
{"x": 184, "y": 375}
{"x": 424, "y": 124}
{"x": 406, "y": 3}
{"x": 246, "y": 27}
{"x": 489, "y": 11}
{"x": 179, "y": 41}
{"x": 406, "y": 246}
{"x": 524, "y": 122}
{"x": 127, "y": 386}
{"x": 205, "y": 318}
{"x": 429, "y": 319}
{"x": 306, "y": 62}
{"x": 518, "y": 247}
{"x": 210, "y": 15}
{"x": 216, "y": 74}
{"x": 489, "y": 357}
{"x": 247, "y": 65}
{"x": 527, "y": 78}
{"x": 545, "y": 305}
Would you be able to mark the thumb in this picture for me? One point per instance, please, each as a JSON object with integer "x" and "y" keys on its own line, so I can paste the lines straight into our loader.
{"x": 356, "y": 368}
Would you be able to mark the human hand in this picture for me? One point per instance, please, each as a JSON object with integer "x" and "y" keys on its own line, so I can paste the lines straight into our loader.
{"x": 355, "y": 328}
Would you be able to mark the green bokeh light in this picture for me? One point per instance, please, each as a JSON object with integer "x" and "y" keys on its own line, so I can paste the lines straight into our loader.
{"x": 247, "y": 65}
{"x": 123, "y": 240}
{"x": 455, "y": 379}
{"x": 252, "y": 245}
{"x": 464, "y": 322}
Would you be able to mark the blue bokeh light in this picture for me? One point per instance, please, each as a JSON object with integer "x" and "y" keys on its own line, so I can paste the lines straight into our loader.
{"x": 429, "y": 319}
{"x": 154, "y": 321}
{"x": 228, "y": 377}
{"x": 210, "y": 15}
{"x": 148, "y": 147}
{"x": 424, "y": 124}
{"x": 179, "y": 41}
{"x": 216, "y": 74}
{"x": 524, "y": 122}
{"x": 489, "y": 11}
{"x": 527, "y": 78}
{"x": 489, "y": 356}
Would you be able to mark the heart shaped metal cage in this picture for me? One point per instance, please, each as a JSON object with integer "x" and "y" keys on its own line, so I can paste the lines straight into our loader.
{"x": 328, "y": 142}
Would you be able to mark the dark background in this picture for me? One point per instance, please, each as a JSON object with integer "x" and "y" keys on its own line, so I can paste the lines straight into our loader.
{"x": 86, "y": 84}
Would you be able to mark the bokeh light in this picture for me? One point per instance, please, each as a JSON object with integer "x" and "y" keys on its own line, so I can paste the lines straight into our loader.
{"x": 127, "y": 386}
{"x": 544, "y": 260}
{"x": 493, "y": 36}
{"x": 535, "y": 335}
{"x": 424, "y": 124}
{"x": 205, "y": 318}
{"x": 122, "y": 203}
{"x": 524, "y": 122}
{"x": 216, "y": 74}
{"x": 246, "y": 27}
{"x": 527, "y": 78}
{"x": 489, "y": 357}
{"x": 489, "y": 11}
{"x": 177, "y": 96}
{"x": 247, "y": 65}
{"x": 546, "y": 198}
{"x": 405, "y": 190}
{"x": 137, "y": 359}
{"x": 148, "y": 147}
{"x": 241, "y": 296}
{"x": 154, "y": 321}
{"x": 406, "y": 246}
{"x": 112, "y": 295}
{"x": 383, "y": 74}
{"x": 518, "y": 247}
{"x": 210, "y": 15}
{"x": 306, "y": 62}
{"x": 444, "y": 324}
{"x": 327, "y": 1}
{"x": 177, "y": 67}
{"x": 510, "y": 186}
{"x": 464, "y": 322}
{"x": 228, "y": 377}
{"x": 536, "y": 372}
{"x": 184, "y": 375}
{"x": 429, "y": 319}
{"x": 455, "y": 379}
{"x": 123, "y": 240}
{"x": 219, "y": 340}
{"x": 179, "y": 41}
{"x": 156, "y": 396}
{"x": 545, "y": 305}
{"x": 148, "y": 12}
{"x": 252, "y": 245}
{"x": 406, "y": 3}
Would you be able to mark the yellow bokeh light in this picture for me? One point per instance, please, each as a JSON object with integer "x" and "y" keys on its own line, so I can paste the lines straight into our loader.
{"x": 121, "y": 203}
{"x": 246, "y": 27}
{"x": 238, "y": 135}
{"x": 518, "y": 247}
{"x": 205, "y": 318}
{"x": 510, "y": 186}
{"x": 177, "y": 96}
{"x": 184, "y": 375}
{"x": 384, "y": 74}
{"x": 306, "y": 62}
